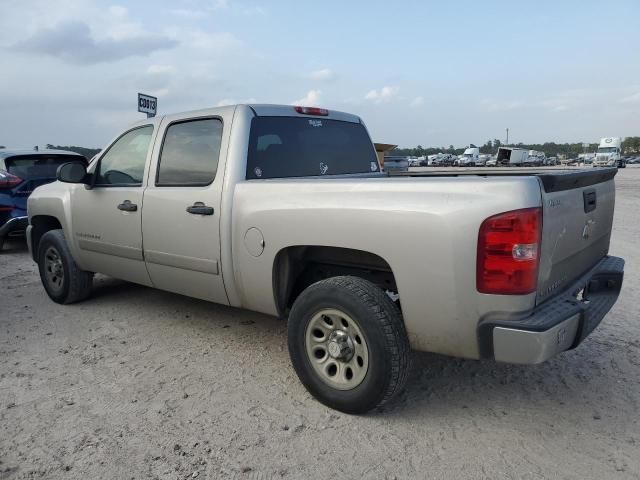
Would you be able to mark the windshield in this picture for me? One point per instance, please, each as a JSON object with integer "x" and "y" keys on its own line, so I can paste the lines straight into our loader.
{"x": 607, "y": 150}
{"x": 281, "y": 147}
{"x": 469, "y": 155}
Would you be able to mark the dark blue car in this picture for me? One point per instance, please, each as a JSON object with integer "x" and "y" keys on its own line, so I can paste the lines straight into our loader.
{"x": 21, "y": 171}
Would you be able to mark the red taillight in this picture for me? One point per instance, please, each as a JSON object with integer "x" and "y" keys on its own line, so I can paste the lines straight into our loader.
{"x": 7, "y": 180}
{"x": 509, "y": 252}
{"x": 312, "y": 111}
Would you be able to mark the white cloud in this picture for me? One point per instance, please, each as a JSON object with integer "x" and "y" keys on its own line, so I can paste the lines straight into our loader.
{"x": 118, "y": 11}
{"x": 322, "y": 75}
{"x": 253, "y": 10}
{"x": 186, "y": 13}
{"x": 385, "y": 94}
{"x": 635, "y": 98}
{"x": 212, "y": 40}
{"x": 160, "y": 69}
{"x": 233, "y": 101}
{"x": 417, "y": 102}
{"x": 492, "y": 105}
{"x": 311, "y": 99}
{"x": 161, "y": 92}
{"x": 74, "y": 42}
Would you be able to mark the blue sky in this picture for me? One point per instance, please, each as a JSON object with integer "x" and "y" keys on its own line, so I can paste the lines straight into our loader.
{"x": 429, "y": 73}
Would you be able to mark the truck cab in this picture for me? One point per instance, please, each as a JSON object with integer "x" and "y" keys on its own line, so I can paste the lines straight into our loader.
{"x": 469, "y": 157}
{"x": 609, "y": 152}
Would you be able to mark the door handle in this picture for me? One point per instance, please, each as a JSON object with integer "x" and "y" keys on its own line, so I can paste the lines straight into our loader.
{"x": 200, "y": 208}
{"x": 127, "y": 206}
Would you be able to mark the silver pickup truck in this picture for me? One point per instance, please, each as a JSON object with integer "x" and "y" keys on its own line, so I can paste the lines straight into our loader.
{"x": 285, "y": 210}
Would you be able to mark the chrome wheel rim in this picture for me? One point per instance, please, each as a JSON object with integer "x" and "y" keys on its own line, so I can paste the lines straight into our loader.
{"x": 54, "y": 269}
{"x": 337, "y": 349}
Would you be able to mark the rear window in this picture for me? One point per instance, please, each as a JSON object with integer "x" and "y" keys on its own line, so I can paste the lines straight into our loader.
{"x": 281, "y": 147}
{"x": 29, "y": 167}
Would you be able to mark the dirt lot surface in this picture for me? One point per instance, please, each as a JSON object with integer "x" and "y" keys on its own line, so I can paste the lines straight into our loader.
{"x": 138, "y": 383}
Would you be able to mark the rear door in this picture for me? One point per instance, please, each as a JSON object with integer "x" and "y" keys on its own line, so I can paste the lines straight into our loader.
{"x": 181, "y": 215}
{"x": 577, "y": 219}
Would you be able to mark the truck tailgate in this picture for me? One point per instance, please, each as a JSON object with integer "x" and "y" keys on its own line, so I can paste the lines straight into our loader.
{"x": 577, "y": 217}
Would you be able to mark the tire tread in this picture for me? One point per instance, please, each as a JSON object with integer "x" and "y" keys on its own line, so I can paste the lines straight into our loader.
{"x": 80, "y": 281}
{"x": 387, "y": 315}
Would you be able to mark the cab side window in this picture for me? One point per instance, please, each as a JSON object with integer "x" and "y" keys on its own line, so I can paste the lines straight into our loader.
{"x": 190, "y": 152}
{"x": 123, "y": 164}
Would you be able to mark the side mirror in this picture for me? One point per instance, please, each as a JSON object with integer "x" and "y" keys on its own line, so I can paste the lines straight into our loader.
{"x": 72, "y": 172}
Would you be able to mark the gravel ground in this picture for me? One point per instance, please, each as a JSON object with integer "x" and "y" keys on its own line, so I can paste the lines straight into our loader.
{"x": 138, "y": 383}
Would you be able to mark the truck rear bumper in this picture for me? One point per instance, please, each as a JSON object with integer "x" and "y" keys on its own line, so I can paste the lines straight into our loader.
{"x": 559, "y": 324}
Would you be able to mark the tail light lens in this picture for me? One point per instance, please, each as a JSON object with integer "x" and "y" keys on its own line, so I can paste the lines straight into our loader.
{"x": 8, "y": 180}
{"x": 509, "y": 252}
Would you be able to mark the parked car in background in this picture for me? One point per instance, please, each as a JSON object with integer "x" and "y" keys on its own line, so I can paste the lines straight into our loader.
{"x": 435, "y": 160}
{"x": 395, "y": 162}
{"x": 21, "y": 172}
{"x": 482, "y": 160}
{"x": 536, "y": 159}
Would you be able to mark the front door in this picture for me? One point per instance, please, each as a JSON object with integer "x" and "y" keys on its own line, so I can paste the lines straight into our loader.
{"x": 106, "y": 219}
{"x": 181, "y": 216}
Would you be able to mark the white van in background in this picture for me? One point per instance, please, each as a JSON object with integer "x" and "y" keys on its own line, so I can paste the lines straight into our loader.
{"x": 609, "y": 152}
{"x": 512, "y": 157}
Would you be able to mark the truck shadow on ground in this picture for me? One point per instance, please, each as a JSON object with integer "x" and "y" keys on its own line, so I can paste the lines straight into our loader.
{"x": 437, "y": 385}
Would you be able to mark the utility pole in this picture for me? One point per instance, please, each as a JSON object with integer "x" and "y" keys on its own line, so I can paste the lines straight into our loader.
{"x": 507, "y": 137}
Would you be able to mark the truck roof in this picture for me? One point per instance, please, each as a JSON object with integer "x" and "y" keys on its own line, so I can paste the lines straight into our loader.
{"x": 262, "y": 110}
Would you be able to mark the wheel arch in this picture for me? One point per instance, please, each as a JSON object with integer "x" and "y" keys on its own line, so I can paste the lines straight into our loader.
{"x": 297, "y": 267}
{"x": 41, "y": 224}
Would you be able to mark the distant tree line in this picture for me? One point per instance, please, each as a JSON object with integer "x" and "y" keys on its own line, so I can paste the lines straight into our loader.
{"x": 87, "y": 152}
{"x": 551, "y": 149}
{"x": 631, "y": 145}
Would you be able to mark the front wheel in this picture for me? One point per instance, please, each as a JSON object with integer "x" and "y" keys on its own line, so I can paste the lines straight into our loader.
{"x": 348, "y": 344}
{"x": 61, "y": 277}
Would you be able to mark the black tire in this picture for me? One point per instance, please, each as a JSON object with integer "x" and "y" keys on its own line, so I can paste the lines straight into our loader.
{"x": 386, "y": 340}
{"x": 75, "y": 284}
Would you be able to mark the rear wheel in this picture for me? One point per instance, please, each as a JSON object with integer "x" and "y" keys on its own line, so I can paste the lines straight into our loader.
{"x": 61, "y": 277}
{"x": 348, "y": 344}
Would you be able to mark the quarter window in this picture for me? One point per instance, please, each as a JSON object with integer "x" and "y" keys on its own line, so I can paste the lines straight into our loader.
{"x": 190, "y": 152}
{"x": 123, "y": 163}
